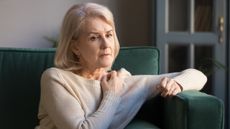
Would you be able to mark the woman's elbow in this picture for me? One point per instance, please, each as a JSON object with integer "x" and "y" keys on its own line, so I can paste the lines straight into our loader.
{"x": 200, "y": 77}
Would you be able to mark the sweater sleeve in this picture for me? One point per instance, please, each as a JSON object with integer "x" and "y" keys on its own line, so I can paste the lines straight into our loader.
{"x": 66, "y": 111}
{"x": 189, "y": 79}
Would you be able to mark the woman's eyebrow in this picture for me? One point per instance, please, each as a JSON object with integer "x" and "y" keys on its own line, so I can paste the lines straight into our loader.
{"x": 93, "y": 33}
{"x": 109, "y": 31}
{"x": 96, "y": 32}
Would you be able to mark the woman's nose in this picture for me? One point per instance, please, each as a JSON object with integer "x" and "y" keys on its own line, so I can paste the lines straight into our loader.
{"x": 105, "y": 42}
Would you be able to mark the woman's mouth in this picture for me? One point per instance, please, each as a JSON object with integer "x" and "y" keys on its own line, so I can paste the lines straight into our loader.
{"x": 104, "y": 55}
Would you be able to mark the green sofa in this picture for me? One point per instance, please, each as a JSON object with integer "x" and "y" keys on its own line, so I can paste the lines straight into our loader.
{"x": 20, "y": 71}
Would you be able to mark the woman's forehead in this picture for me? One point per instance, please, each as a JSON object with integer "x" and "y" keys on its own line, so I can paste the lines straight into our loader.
{"x": 96, "y": 25}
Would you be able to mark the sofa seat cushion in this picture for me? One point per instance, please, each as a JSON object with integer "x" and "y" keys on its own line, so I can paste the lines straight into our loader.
{"x": 139, "y": 124}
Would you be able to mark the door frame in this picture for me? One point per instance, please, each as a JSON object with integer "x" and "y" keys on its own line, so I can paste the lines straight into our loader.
{"x": 220, "y": 87}
{"x": 227, "y": 106}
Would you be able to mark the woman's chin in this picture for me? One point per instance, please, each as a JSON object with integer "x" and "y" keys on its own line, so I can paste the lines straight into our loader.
{"x": 106, "y": 64}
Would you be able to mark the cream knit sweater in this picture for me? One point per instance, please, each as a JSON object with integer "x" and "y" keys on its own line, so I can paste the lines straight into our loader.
{"x": 69, "y": 101}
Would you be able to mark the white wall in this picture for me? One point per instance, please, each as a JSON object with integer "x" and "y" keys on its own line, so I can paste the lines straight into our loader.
{"x": 24, "y": 23}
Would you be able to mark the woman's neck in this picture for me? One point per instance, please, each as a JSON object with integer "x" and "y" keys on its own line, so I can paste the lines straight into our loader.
{"x": 92, "y": 74}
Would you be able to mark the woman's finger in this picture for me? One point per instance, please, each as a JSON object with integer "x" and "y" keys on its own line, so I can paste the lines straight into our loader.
{"x": 173, "y": 90}
{"x": 163, "y": 93}
{"x": 176, "y": 91}
{"x": 104, "y": 79}
{"x": 170, "y": 85}
{"x": 113, "y": 74}
{"x": 163, "y": 82}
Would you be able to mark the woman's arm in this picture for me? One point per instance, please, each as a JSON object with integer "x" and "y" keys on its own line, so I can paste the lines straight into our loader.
{"x": 189, "y": 79}
{"x": 66, "y": 111}
{"x": 186, "y": 80}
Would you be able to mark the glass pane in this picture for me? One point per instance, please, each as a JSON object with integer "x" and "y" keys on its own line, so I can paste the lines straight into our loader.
{"x": 178, "y": 15}
{"x": 203, "y": 15}
{"x": 204, "y": 61}
{"x": 178, "y": 57}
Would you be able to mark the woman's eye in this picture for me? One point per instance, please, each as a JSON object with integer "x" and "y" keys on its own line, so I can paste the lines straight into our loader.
{"x": 93, "y": 38}
{"x": 109, "y": 35}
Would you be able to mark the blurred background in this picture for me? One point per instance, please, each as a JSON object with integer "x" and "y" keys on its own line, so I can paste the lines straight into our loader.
{"x": 25, "y": 23}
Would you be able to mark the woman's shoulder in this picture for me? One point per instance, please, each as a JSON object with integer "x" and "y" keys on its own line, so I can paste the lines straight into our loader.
{"x": 63, "y": 74}
{"x": 55, "y": 72}
{"x": 52, "y": 70}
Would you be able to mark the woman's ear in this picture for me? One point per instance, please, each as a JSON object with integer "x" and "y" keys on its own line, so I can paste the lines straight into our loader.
{"x": 75, "y": 49}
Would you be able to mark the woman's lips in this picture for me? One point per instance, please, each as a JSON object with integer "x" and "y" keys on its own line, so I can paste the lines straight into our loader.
{"x": 102, "y": 55}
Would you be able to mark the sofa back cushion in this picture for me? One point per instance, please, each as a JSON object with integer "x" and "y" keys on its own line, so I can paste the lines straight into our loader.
{"x": 21, "y": 69}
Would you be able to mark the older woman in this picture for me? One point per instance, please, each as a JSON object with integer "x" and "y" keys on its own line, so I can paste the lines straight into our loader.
{"x": 80, "y": 93}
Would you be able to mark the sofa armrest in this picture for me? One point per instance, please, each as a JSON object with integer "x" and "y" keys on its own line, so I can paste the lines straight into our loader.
{"x": 193, "y": 110}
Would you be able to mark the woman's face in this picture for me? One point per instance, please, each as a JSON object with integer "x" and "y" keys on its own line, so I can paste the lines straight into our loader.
{"x": 96, "y": 44}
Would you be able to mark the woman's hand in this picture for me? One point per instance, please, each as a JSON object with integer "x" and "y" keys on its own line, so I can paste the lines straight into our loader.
{"x": 112, "y": 82}
{"x": 169, "y": 87}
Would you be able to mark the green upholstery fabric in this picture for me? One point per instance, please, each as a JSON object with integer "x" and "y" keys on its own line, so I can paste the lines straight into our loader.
{"x": 138, "y": 60}
{"x": 194, "y": 110}
{"x": 20, "y": 71}
{"x": 140, "y": 124}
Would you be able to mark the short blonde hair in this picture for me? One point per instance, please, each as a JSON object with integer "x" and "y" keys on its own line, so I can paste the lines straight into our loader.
{"x": 71, "y": 29}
